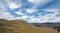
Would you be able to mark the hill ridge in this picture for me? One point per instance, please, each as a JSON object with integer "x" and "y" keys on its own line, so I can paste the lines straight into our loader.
{"x": 21, "y": 26}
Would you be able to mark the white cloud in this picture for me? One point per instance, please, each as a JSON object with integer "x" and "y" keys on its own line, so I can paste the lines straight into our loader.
{"x": 33, "y": 1}
{"x": 40, "y": 3}
{"x": 55, "y": 12}
{"x": 51, "y": 10}
{"x": 24, "y": 17}
{"x": 36, "y": 1}
{"x": 19, "y": 13}
{"x": 37, "y": 20}
{"x": 10, "y": 17}
{"x": 45, "y": 18}
{"x": 31, "y": 10}
{"x": 13, "y": 5}
{"x": 57, "y": 19}
{"x": 32, "y": 20}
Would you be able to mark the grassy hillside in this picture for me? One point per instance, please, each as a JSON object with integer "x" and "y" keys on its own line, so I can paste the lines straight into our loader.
{"x": 21, "y": 26}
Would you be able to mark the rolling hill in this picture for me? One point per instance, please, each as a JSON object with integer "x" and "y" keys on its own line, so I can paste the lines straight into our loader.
{"x": 21, "y": 26}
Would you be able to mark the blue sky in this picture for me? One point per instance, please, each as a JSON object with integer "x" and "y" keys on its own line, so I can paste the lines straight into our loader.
{"x": 32, "y": 11}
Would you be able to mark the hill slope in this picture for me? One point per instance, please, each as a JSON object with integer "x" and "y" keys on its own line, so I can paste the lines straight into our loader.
{"x": 21, "y": 26}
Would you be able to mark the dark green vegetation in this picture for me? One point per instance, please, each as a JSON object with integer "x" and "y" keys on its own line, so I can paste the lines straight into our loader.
{"x": 57, "y": 27}
{"x": 20, "y": 26}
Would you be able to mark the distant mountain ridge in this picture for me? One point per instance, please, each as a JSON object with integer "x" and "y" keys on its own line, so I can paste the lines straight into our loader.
{"x": 47, "y": 24}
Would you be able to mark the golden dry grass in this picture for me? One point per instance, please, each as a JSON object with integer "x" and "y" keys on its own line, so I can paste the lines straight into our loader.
{"x": 22, "y": 27}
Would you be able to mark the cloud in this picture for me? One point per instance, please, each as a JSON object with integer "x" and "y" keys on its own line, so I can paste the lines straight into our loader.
{"x": 6, "y": 15}
{"x": 54, "y": 5}
{"x": 40, "y": 3}
{"x": 35, "y": 1}
{"x": 24, "y": 17}
{"x": 2, "y": 6}
{"x": 19, "y": 12}
{"x": 56, "y": 12}
{"x": 51, "y": 10}
{"x": 33, "y": 19}
{"x": 39, "y": 19}
{"x": 57, "y": 19}
{"x": 14, "y": 5}
{"x": 31, "y": 10}
{"x": 46, "y": 18}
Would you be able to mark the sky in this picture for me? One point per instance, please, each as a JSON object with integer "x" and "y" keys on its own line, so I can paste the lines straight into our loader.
{"x": 32, "y": 11}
